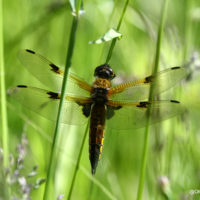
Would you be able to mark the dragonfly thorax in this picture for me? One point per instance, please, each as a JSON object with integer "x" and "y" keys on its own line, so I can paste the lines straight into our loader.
{"x": 99, "y": 95}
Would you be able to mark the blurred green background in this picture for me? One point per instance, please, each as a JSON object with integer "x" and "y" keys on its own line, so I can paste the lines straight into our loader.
{"x": 44, "y": 27}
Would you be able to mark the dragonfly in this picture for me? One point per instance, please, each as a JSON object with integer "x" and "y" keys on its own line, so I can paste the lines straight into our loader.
{"x": 118, "y": 107}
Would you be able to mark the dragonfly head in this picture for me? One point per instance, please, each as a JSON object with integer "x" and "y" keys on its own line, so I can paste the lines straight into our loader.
{"x": 104, "y": 71}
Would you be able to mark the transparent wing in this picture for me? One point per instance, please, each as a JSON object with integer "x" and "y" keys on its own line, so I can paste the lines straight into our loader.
{"x": 78, "y": 86}
{"x": 139, "y": 90}
{"x": 44, "y": 70}
{"x": 51, "y": 75}
{"x": 46, "y": 104}
{"x": 134, "y": 115}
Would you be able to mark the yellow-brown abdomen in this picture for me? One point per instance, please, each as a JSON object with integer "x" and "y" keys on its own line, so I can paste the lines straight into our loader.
{"x": 97, "y": 127}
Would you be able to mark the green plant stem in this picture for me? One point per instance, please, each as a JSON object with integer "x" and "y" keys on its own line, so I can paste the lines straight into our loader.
{"x": 159, "y": 40}
{"x": 78, "y": 7}
{"x": 52, "y": 162}
{"x": 187, "y": 29}
{"x": 3, "y": 107}
{"x": 144, "y": 160}
{"x": 155, "y": 70}
{"x": 78, "y": 162}
{"x": 118, "y": 27}
{"x": 4, "y": 125}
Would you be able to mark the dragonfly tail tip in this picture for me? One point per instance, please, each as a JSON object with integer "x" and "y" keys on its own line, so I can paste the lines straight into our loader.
{"x": 93, "y": 171}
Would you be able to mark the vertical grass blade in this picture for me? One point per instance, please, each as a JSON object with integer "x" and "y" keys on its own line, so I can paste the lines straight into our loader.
{"x": 155, "y": 70}
{"x": 3, "y": 108}
{"x": 78, "y": 162}
{"x": 4, "y": 123}
{"x": 118, "y": 27}
{"x": 52, "y": 163}
{"x": 187, "y": 29}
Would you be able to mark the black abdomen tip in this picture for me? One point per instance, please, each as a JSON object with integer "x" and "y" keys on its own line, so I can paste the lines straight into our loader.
{"x": 93, "y": 171}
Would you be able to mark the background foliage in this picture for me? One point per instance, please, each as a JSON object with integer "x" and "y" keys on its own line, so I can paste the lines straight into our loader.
{"x": 44, "y": 26}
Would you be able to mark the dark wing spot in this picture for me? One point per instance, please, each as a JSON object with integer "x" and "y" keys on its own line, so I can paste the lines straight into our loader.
{"x": 148, "y": 79}
{"x": 54, "y": 68}
{"x": 175, "y": 67}
{"x": 22, "y": 86}
{"x": 53, "y": 95}
{"x": 174, "y": 101}
{"x": 143, "y": 104}
{"x": 30, "y": 51}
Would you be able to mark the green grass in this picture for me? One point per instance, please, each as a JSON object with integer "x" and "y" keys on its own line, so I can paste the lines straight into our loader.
{"x": 154, "y": 71}
{"x": 173, "y": 149}
{"x": 3, "y": 111}
{"x": 54, "y": 154}
{"x": 4, "y": 124}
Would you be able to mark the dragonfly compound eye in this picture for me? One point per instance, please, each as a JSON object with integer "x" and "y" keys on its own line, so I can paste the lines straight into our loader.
{"x": 104, "y": 71}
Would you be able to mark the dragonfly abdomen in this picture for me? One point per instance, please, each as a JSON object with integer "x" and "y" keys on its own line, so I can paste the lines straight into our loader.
{"x": 97, "y": 128}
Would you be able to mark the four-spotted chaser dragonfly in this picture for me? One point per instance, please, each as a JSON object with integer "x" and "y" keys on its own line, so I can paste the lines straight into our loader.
{"x": 120, "y": 107}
